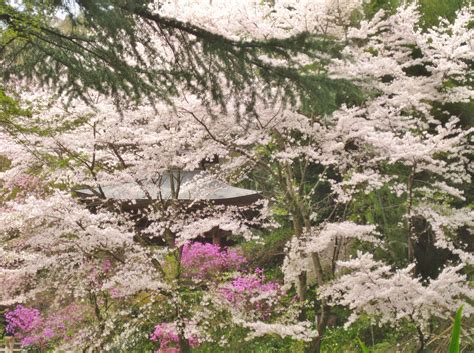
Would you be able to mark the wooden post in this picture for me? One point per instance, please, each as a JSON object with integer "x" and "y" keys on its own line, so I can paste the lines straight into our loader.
{"x": 216, "y": 238}
{"x": 9, "y": 344}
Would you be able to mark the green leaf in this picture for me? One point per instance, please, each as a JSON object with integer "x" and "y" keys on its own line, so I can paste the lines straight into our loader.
{"x": 362, "y": 346}
{"x": 456, "y": 332}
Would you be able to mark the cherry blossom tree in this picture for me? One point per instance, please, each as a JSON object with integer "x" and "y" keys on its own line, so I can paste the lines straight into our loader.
{"x": 400, "y": 139}
{"x": 111, "y": 262}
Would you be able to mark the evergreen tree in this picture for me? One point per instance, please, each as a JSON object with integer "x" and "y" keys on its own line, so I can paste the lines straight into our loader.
{"x": 129, "y": 50}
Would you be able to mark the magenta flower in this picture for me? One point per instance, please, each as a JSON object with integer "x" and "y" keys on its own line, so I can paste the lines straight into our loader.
{"x": 23, "y": 319}
{"x": 207, "y": 260}
{"x": 32, "y": 328}
{"x": 166, "y": 334}
{"x": 250, "y": 293}
{"x": 23, "y": 322}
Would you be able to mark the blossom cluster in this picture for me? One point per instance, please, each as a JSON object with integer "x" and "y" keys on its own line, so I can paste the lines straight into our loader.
{"x": 248, "y": 19}
{"x": 168, "y": 338}
{"x": 33, "y": 328}
{"x": 22, "y": 319}
{"x": 23, "y": 185}
{"x": 391, "y": 297}
{"x": 252, "y": 294}
{"x": 204, "y": 260}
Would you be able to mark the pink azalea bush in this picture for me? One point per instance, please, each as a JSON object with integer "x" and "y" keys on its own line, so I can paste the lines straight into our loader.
{"x": 23, "y": 319}
{"x": 252, "y": 294}
{"x": 201, "y": 260}
{"x": 166, "y": 334}
{"x": 32, "y": 328}
{"x": 24, "y": 323}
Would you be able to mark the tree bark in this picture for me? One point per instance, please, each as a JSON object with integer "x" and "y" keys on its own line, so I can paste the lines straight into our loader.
{"x": 184, "y": 345}
{"x": 301, "y": 287}
{"x": 411, "y": 245}
{"x": 421, "y": 339}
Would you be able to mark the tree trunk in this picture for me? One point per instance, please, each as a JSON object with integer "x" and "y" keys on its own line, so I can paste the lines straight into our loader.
{"x": 301, "y": 221}
{"x": 184, "y": 345}
{"x": 421, "y": 338}
{"x": 301, "y": 287}
{"x": 298, "y": 230}
{"x": 315, "y": 345}
{"x": 216, "y": 237}
{"x": 411, "y": 245}
{"x": 317, "y": 268}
